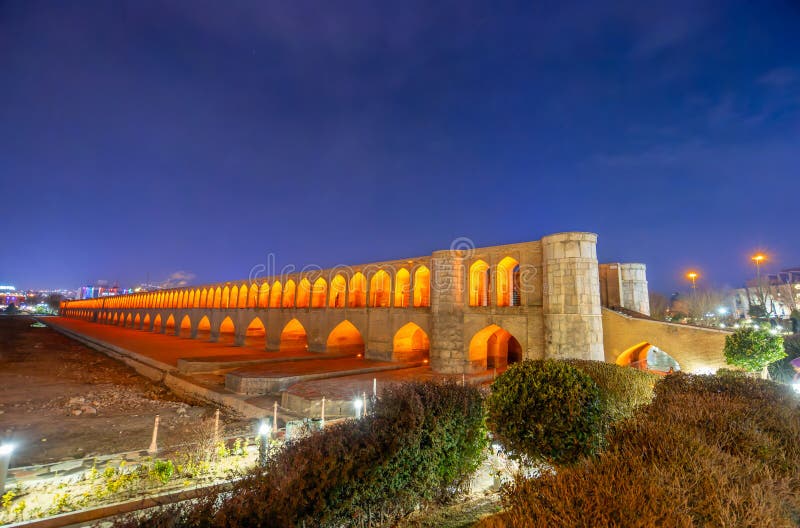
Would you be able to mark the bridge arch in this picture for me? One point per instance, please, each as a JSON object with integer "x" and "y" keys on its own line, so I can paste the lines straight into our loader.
{"x": 303, "y": 293}
{"x": 293, "y": 337}
{"x": 357, "y": 297}
{"x": 479, "y": 283}
{"x": 345, "y": 339}
{"x": 255, "y": 335}
{"x": 411, "y": 343}
{"x": 169, "y": 326}
{"x": 508, "y": 282}
{"x": 494, "y": 347}
{"x": 263, "y": 295}
{"x": 185, "y": 329}
{"x": 252, "y": 296}
{"x": 217, "y": 298}
{"x": 380, "y": 289}
{"x": 338, "y": 292}
{"x": 243, "y": 293}
{"x": 157, "y": 323}
{"x": 203, "y": 329}
{"x": 146, "y": 322}
{"x": 318, "y": 292}
{"x": 226, "y": 331}
{"x": 137, "y": 321}
{"x": 275, "y": 295}
{"x": 646, "y": 356}
{"x": 289, "y": 290}
{"x": 402, "y": 288}
{"x": 422, "y": 287}
{"x": 128, "y": 320}
{"x": 233, "y": 301}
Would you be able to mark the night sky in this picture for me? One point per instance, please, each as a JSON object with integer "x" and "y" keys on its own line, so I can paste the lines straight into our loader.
{"x": 147, "y": 138}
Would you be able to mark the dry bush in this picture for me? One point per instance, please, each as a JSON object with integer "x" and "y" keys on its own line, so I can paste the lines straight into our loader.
{"x": 709, "y": 451}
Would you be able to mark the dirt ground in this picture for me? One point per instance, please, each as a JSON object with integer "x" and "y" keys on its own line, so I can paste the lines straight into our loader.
{"x": 60, "y": 399}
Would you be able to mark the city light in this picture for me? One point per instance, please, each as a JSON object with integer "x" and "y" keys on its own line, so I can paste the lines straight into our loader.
{"x": 693, "y": 276}
{"x": 6, "y": 449}
{"x": 759, "y": 258}
{"x": 357, "y": 405}
{"x": 264, "y": 429}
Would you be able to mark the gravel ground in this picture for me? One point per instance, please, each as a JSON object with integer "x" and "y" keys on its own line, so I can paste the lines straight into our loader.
{"x": 60, "y": 399}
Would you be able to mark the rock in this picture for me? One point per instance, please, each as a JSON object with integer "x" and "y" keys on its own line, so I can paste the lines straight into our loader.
{"x": 76, "y": 400}
{"x": 89, "y": 410}
{"x": 76, "y": 412}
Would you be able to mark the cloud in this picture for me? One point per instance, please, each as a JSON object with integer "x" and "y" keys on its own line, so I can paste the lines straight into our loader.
{"x": 780, "y": 77}
{"x": 178, "y": 279}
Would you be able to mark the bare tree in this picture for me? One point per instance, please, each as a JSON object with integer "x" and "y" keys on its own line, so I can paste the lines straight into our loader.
{"x": 659, "y": 304}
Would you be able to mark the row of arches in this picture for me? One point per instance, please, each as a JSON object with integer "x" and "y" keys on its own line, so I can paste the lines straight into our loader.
{"x": 507, "y": 283}
{"x": 340, "y": 293}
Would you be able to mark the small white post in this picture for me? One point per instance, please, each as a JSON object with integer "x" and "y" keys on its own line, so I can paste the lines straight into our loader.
{"x": 216, "y": 427}
{"x": 275, "y": 418}
{"x": 322, "y": 412}
{"x": 364, "y": 399}
{"x": 463, "y": 380}
{"x": 374, "y": 387}
{"x": 153, "y": 449}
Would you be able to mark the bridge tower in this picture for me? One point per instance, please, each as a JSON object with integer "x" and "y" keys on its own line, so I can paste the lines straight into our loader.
{"x": 573, "y": 325}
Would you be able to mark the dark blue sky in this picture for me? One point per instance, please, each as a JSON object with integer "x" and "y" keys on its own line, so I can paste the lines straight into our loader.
{"x": 149, "y": 137}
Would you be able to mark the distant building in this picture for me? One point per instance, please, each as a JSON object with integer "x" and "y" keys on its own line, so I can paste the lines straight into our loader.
{"x": 10, "y": 295}
{"x": 780, "y": 292}
{"x": 101, "y": 289}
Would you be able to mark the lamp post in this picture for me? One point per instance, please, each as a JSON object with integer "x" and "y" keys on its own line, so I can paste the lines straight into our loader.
{"x": 758, "y": 258}
{"x": 5, "y": 457}
{"x": 357, "y": 406}
{"x": 692, "y": 276}
{"x": 264, "y": 431}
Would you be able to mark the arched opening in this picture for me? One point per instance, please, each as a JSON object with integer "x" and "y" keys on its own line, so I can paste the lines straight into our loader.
{"x": 293, "y": 337}
{"x": 146, "y": 322}
{"x": 256, "y": 334}
{"x": 217, "y": 298}
{"x": 203, "y": 299}
{"x": 137, "y": 321}
{"x": 252, "y": 297}
{"x": 358, "y": 293}
{"x": 645, "y": 356}
{"x": 494, "y": 347}
{"x": 180, "y": 299}
{"x": 204, "y": 329}
{"x": 345, "y": 339}
{"x": 508, "y": 282}
{"x": 288, "y": 294}
{"x": 226, "y": 297}
{"x": 422, "y": 287}
{"x": 318, "y": 292}
{"x": 338, "y": 292}
{"x": 190, "y": 303}
{"x": 275, "y": 295}
{"x": 227, "y": 332}
{"x": 242, "y": 303}
{"x": 303, "y": 293}
{"x": 169, "y": 326}
{"x": 479, "y": 284}
{"x": 157, "y": 323}
{"x": 380, "y": 290}
{"x": 402, "y": 288}
{"x": 411, "y": 343}
{"x": 263, "y": 295}
{"x": 233, "y": 302}
{"x": 186, "y": 327}
{"x": 115, "y": 320}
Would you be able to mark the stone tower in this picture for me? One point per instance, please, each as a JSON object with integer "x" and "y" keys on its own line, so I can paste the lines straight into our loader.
{"x": 573, "y": 324}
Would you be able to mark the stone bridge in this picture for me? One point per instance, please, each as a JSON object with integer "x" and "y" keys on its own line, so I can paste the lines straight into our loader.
{"x": 463, "y": 310}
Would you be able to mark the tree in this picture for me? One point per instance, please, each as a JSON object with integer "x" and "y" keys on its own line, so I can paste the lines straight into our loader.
{"x": 753, "y": 349}
{"x": 54, "y": 301}
{"x": 659, "y": 304}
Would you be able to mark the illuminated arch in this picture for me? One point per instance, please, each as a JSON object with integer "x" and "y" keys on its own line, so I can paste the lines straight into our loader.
{"x": 157, "y": 323}
{"x": 288, "y": 294}
{"x": 233, "y": 301}
{"x": 203, "y": 299}
{"x": 263, "y": 295}
{"x": 190, "y": 301}
{"x": 115, "y": 319}
{"x": 380, "y": 290}
{"x": 411, "y": 343}
{"x": 494, "y": 347}
{"x": 256, "y": 334}
{"x": 217, "y": 298}
{"x": 169, "y": 326}
{"x": 645, "y": 356}
{"x": 129, "y": 320}
{"x": 204, "y": 329}
{"x": 303, "y": 293}
{"x": 275, "y": 295}
{"x": 402, "y": 288}
{"x": 508, "y": 282}
{"x": 227, "y": 331}
{"x": 338, "y": 292}
{"x": 180, "y": 299}
{"x": 318, "y": 293}
{"x": 146, "y": 322}
{"x": 197, "y": 303}
{"x": 479, "y": 283}
{"x": 422, "y": 287}
{"x": 137, "y": 321}
{"x": 252, "y": 296}
{"x": 186, "y": 327}
{"x": 345, "y": 339}
{"x": 226, "y": 298}
{"x": 358, "y": 291}
{"x": 294, "y": 337}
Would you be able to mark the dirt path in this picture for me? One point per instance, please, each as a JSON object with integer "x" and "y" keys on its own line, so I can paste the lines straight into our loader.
{"x": 60, "y": 399}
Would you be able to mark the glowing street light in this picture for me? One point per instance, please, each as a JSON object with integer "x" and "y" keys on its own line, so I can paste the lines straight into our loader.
{"x": 758, "y": 258}
{"x": 692, "y": 276}
{"x": 5, "y": 457}
{"x": 264, "y": 431}
{"x": 357, "y": 406}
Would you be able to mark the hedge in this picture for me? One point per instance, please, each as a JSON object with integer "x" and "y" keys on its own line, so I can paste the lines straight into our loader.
{"x": 422, "y": 443}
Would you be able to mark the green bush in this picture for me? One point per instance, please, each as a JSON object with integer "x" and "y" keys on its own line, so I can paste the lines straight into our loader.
{"x": 782, "y": 370}
{"x": 422, "y": 443}
{"x": 708, "y": 451}
{"x": 622, "y": 389}
{"x": 545, "y": 410}
{"x": 753, "y": 349}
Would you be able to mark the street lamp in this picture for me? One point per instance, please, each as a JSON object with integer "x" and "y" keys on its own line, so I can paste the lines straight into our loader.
{"x": 357, "y": 405}
{"x": 5, "y": 457}
{"x": 692, "y": 276}
{"x": 758, "y": 258}
{"x": 264, "y": 431}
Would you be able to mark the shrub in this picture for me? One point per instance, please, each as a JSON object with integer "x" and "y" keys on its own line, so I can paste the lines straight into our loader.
{"x": 782, "y": 371}
{"x": 708, "y": 451}
{"x": 545, "y": 410}
{"x": 753, "y": 349}
{"x": 422, "y": 443}
{"x": 622, "y": 389}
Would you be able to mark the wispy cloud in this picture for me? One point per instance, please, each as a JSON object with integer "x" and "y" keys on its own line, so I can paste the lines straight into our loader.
{"x": 780, "y": 77}
{"x": 178, "y": 279}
